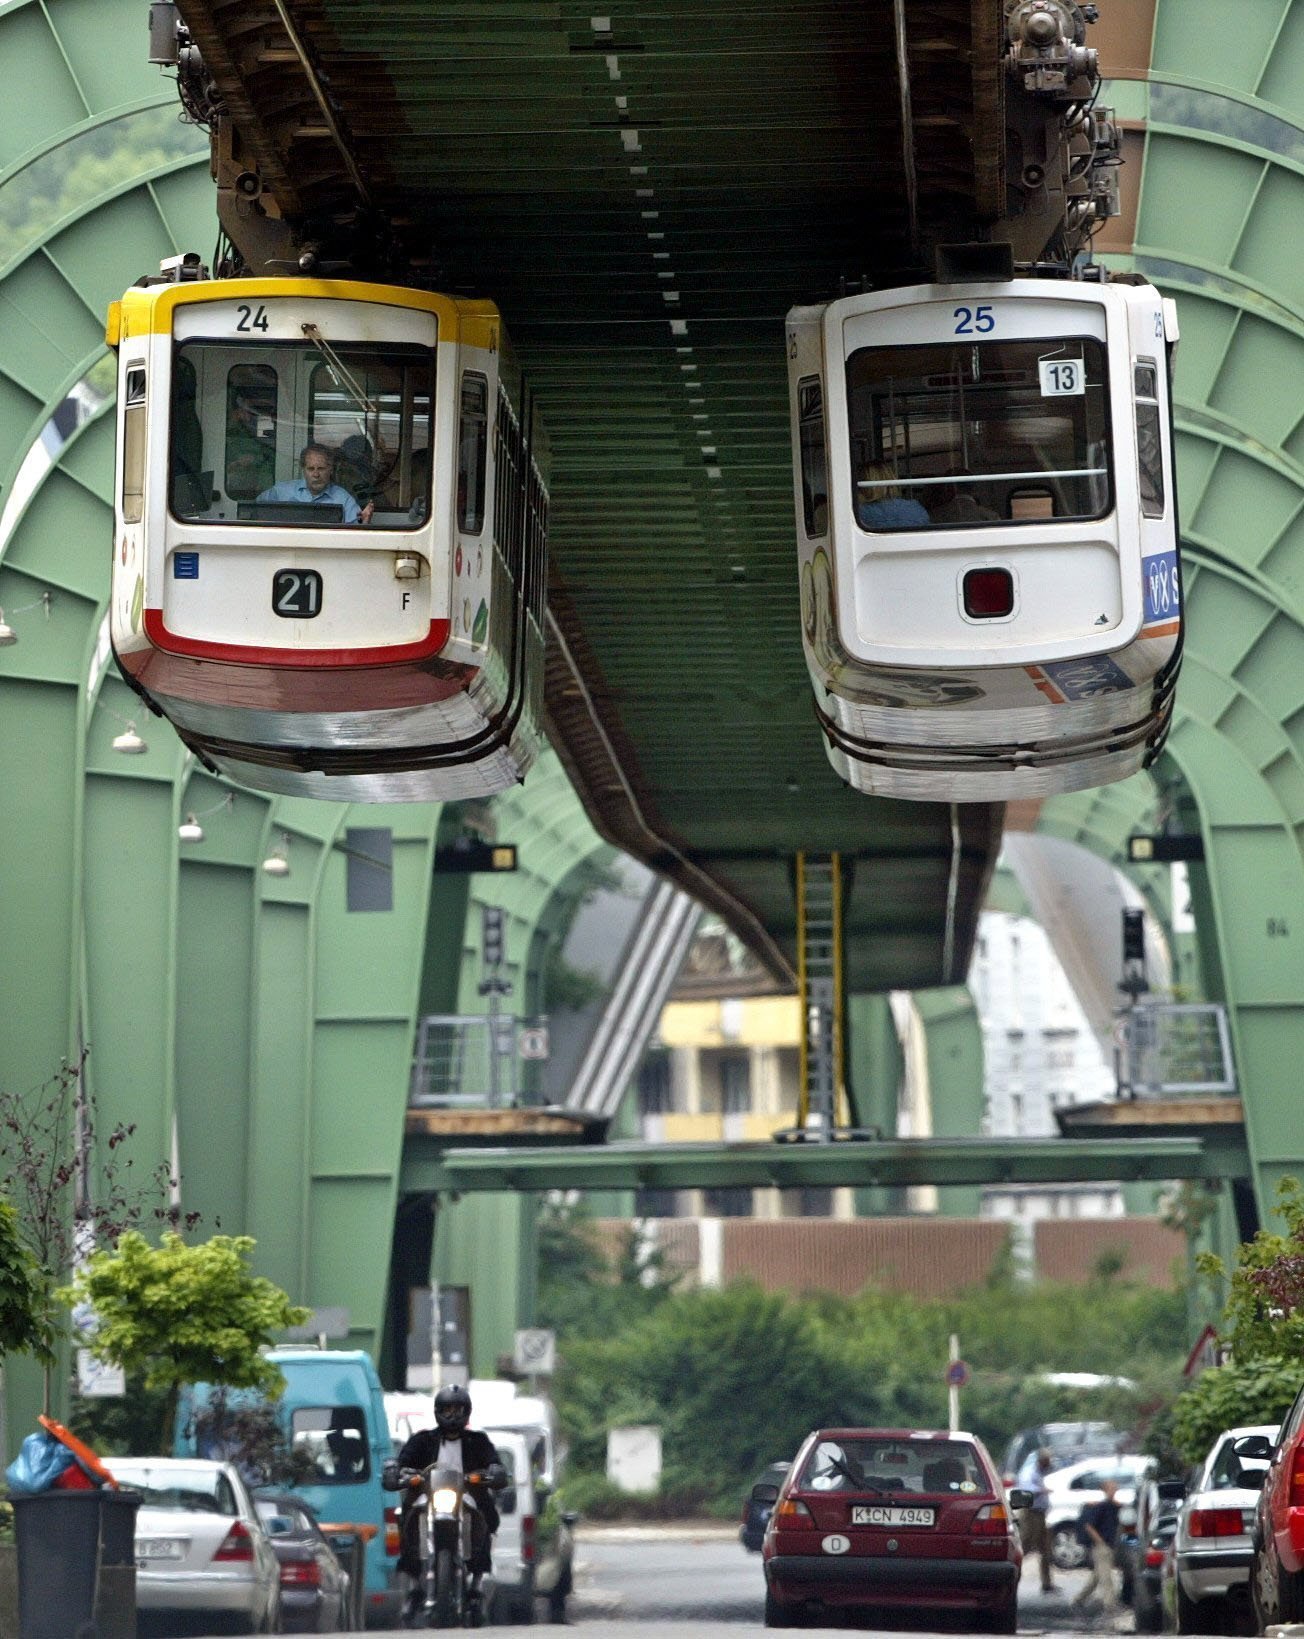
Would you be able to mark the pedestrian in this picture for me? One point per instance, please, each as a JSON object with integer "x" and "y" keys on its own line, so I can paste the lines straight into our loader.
{"x": 1099, "y": 1528}
{"x": 1032, "y": 1521}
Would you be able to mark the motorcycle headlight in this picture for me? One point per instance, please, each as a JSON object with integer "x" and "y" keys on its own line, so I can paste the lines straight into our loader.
{"x": 445, "y": 1501}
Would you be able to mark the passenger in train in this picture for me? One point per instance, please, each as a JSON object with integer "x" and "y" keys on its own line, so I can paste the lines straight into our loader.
{"x": 963, "y": 508}
{"x": 882, "y": 505}
{"x": 315, "y": 484}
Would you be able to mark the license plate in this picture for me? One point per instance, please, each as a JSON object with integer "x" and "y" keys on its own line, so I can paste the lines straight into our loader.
{"x": 159, "y": 1548}
{"x": 892, "y": 1516}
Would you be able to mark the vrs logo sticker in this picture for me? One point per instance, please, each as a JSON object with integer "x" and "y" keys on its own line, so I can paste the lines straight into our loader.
{"x": 836, "y": 1544}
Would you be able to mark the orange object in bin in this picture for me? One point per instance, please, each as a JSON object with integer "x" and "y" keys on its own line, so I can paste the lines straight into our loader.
{"x": 81, "y": 1451}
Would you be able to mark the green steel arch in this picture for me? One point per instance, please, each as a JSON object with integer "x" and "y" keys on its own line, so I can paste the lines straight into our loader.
{"x": 250, "y": 1025}
{"x": 1221, "y": 189}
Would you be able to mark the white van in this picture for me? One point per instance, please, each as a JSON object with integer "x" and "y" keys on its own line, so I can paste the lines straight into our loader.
{"x": 529, "y": 1558}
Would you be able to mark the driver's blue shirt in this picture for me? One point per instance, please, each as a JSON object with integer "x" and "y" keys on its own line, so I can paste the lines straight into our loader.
{"x": 296, "y": 489}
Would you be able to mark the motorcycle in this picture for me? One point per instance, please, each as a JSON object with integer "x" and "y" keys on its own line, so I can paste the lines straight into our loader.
{"x": 449, "y": 1589}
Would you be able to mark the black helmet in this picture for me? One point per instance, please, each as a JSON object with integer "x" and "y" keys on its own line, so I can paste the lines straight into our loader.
{"x": 452, "y": 1409}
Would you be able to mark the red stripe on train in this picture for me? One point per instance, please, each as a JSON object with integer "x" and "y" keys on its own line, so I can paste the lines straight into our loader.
{"x": 249, "y": 654}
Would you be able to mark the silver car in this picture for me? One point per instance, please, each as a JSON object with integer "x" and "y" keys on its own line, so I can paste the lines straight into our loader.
{"x": 1213, "y": 1547}
{"x": 1070, "y": 1490}
{"x": 201, "y": 1549}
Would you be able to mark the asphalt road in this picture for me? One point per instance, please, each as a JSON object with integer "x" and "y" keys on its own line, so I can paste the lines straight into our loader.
{"x": 685, "y": 1583}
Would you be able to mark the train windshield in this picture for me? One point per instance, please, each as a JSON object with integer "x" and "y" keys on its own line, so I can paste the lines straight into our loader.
{"x": 955, "y": 434}
{"x": 302, "y": 434}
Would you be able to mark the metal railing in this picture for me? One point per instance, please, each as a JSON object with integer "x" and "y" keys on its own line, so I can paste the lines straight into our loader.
{"x": 477, "y": 1061}
{"x": 1172, "y": 1050}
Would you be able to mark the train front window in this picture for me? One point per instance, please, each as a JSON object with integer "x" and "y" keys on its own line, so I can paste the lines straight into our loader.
{"x": 302, "y": 434}
{"x": 953, "y": 434}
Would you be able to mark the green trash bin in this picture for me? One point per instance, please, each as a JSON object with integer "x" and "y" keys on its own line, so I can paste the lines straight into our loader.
{"x": 76, "y": 1564}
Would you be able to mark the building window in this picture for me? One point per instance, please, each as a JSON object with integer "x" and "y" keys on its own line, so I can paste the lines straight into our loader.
{"x": 656, "y": 1203}
{"x": 811, "y": 1201}
{"x": 735, "y": 1085}
{"x": 654, "y": 1093}
{"x": 730, "y": 1202}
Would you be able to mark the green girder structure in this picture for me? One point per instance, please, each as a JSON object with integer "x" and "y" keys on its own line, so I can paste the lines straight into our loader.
{"x": 268, "y": 1031}
{"x": 1215, "y": 229}
{"x": 246, "y": 1024}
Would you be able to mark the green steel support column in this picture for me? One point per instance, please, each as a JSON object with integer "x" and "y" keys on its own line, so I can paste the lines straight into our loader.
{"x": 874, "y": 1067}
{"x": 488, "y": 1243}
{"x": 955, "y": 1079}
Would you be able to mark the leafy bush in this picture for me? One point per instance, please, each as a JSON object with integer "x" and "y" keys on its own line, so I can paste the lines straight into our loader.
{"x": 1233, "y": 1396}
{"x": 736, "y": 1378}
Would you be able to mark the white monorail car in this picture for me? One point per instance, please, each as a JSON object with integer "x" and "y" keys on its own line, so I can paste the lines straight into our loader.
{"x": 329, "y": 543}
{"x": 987, "y": 529}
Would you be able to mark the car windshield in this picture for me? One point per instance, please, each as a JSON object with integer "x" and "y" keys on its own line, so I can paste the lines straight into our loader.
{"x": 195, "y": 1490}
{"x": 885, "y": 1466}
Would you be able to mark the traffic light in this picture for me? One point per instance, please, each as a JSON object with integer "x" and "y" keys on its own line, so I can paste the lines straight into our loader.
{"x": 491, "y": 936}
{"x": 1134, "y": 936}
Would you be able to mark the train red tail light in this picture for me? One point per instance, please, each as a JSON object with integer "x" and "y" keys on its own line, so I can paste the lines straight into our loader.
{"x": 988, "y": 594}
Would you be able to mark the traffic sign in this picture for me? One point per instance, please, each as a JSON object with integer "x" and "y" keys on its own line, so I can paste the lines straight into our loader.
{"x": 536, "y": 1352}
{"x": 532, "y": 1042}
{"x": 957, "y": 1374}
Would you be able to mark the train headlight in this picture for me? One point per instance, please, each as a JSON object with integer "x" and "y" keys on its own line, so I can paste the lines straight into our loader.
{"x": 407, "y": 566}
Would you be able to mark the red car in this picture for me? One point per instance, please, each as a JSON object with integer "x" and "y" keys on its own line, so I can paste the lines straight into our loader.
{"x": 1277, "y": 1569}
{"x": 877, "y": 1518}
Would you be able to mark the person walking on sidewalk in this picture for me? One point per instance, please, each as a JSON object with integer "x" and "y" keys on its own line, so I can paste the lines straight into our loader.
{"x": 1099, "y": 1529}
{"x": 1032, "y": 1521}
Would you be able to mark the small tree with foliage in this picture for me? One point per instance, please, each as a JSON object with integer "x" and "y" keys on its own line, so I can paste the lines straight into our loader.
{"x": 72, "y": 1187}
{"x": 1264, "y": 1326}
{"x": 177, "y": 1314}
{"x": 20, "y": 1291}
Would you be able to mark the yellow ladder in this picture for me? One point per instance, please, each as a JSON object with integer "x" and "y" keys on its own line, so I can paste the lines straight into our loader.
{"x": 822, "y": 1101}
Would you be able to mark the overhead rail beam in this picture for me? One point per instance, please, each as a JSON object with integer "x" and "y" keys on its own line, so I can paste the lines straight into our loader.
{"x": 850, "y": 1162}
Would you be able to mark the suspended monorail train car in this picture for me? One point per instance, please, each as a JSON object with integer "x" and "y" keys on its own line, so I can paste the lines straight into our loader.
{"x": 329, "y": 544}
{"x": 987, "y": 529}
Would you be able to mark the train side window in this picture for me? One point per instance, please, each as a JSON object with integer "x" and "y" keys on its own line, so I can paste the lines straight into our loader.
{"x": 814, "y": 463}
{"x": 1149, "y": 439}
{"x": 134, "y": 432}
{"x": 472, "y": 444}
{"x": 250, "y": 457}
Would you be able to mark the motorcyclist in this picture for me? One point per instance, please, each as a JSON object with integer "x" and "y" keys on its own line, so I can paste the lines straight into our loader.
{"x": 450, "y": 1444}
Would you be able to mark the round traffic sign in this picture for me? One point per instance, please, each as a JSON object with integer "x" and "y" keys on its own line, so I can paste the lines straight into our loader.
{"x": 957, "y": 1374}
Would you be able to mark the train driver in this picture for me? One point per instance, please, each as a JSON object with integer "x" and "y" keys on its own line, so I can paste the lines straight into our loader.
{"x": 315, "y": 484}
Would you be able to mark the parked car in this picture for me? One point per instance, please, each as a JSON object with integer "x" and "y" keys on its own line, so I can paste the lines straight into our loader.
{"x": 756, "y": 1515}
{"x": 1148, "y": 1577}
{"x": 1073, "y": 1488}
{"x": 315, "y": 1592}
{"x": 1215, "y": 1535}
{"x": 333, "y": 1414}
{"x": 534, "y": 1549}
{"x": 875, "y": 1518}
{"x": 1277, "y": 1566}
{"x": 1067, "y": 1443}
{"x": 201, "y": 1550}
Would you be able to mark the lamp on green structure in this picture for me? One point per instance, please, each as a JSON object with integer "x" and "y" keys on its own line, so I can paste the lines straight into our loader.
{"x": 190, "y": 830}
{"x": 129, "y": 743}
{"x": 7, "y": 633}
{"x": 277, "y": 862}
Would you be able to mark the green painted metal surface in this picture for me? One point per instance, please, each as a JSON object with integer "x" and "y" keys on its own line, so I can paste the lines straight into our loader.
{"x": 955, "y": 1078}
{"x": 857, "y": 1163}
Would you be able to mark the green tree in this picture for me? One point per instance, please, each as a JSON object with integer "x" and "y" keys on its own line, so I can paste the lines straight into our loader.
{"x": 20, "y": 1293}
{"x": 178, "y": 1314}
{"x": 1263, "y": 1323}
